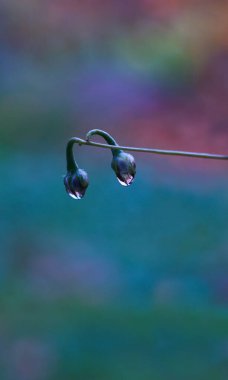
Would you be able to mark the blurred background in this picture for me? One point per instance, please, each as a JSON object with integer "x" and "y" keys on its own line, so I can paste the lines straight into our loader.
{"x": 129, "y": 283}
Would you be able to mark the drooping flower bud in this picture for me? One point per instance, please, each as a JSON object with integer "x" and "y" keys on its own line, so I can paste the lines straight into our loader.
{"x": 124, "y": 167}
{"x": 123, "y": 163}
{"x": 76, "y": 183}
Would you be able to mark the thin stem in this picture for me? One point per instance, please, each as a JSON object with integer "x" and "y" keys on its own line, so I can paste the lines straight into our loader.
{"x": 72, "y": 166}
{"x": 153, "y": 151}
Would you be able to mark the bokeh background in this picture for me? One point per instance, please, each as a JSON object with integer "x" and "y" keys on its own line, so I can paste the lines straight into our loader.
{"x": 129, "y": 283}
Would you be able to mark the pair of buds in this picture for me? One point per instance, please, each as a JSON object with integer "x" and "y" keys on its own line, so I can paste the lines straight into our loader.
{"x": 76, "y": 180}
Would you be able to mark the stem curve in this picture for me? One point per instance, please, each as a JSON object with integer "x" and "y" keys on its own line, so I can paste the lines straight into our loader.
{"x": 108, "y": 138}
{"x": 72, "y": 165}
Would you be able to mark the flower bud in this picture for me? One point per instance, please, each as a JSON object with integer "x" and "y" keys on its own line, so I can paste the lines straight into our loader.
{"x": 124, "y": 166}
{"x": 76, "y": 183}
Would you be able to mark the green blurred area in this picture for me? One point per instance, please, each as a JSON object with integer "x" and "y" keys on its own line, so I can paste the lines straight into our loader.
{"x": 127, "y": 283}
{"x": 96, "y": 342}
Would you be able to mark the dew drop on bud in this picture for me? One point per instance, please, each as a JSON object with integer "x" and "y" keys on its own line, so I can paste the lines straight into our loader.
{"x": 76, "y": 195}
{"x": 126, "y": 180}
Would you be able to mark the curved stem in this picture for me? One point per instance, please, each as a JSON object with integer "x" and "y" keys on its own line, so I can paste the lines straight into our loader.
{"x": 72, "y": 165}
{"x": 110, "y": 140}
{"x": 149, "y": 150}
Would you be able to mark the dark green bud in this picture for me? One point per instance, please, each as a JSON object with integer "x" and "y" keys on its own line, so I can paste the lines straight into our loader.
{"x": 124, "y": 166}
{"x": 76, "y": 183}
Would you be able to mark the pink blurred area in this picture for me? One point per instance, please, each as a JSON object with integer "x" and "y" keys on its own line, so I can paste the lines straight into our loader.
{"x": 155, "y": 70}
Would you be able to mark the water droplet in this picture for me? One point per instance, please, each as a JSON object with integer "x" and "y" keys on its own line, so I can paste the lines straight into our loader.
{"x": 76, "y": 195}
{"x": 126, "y": 179}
